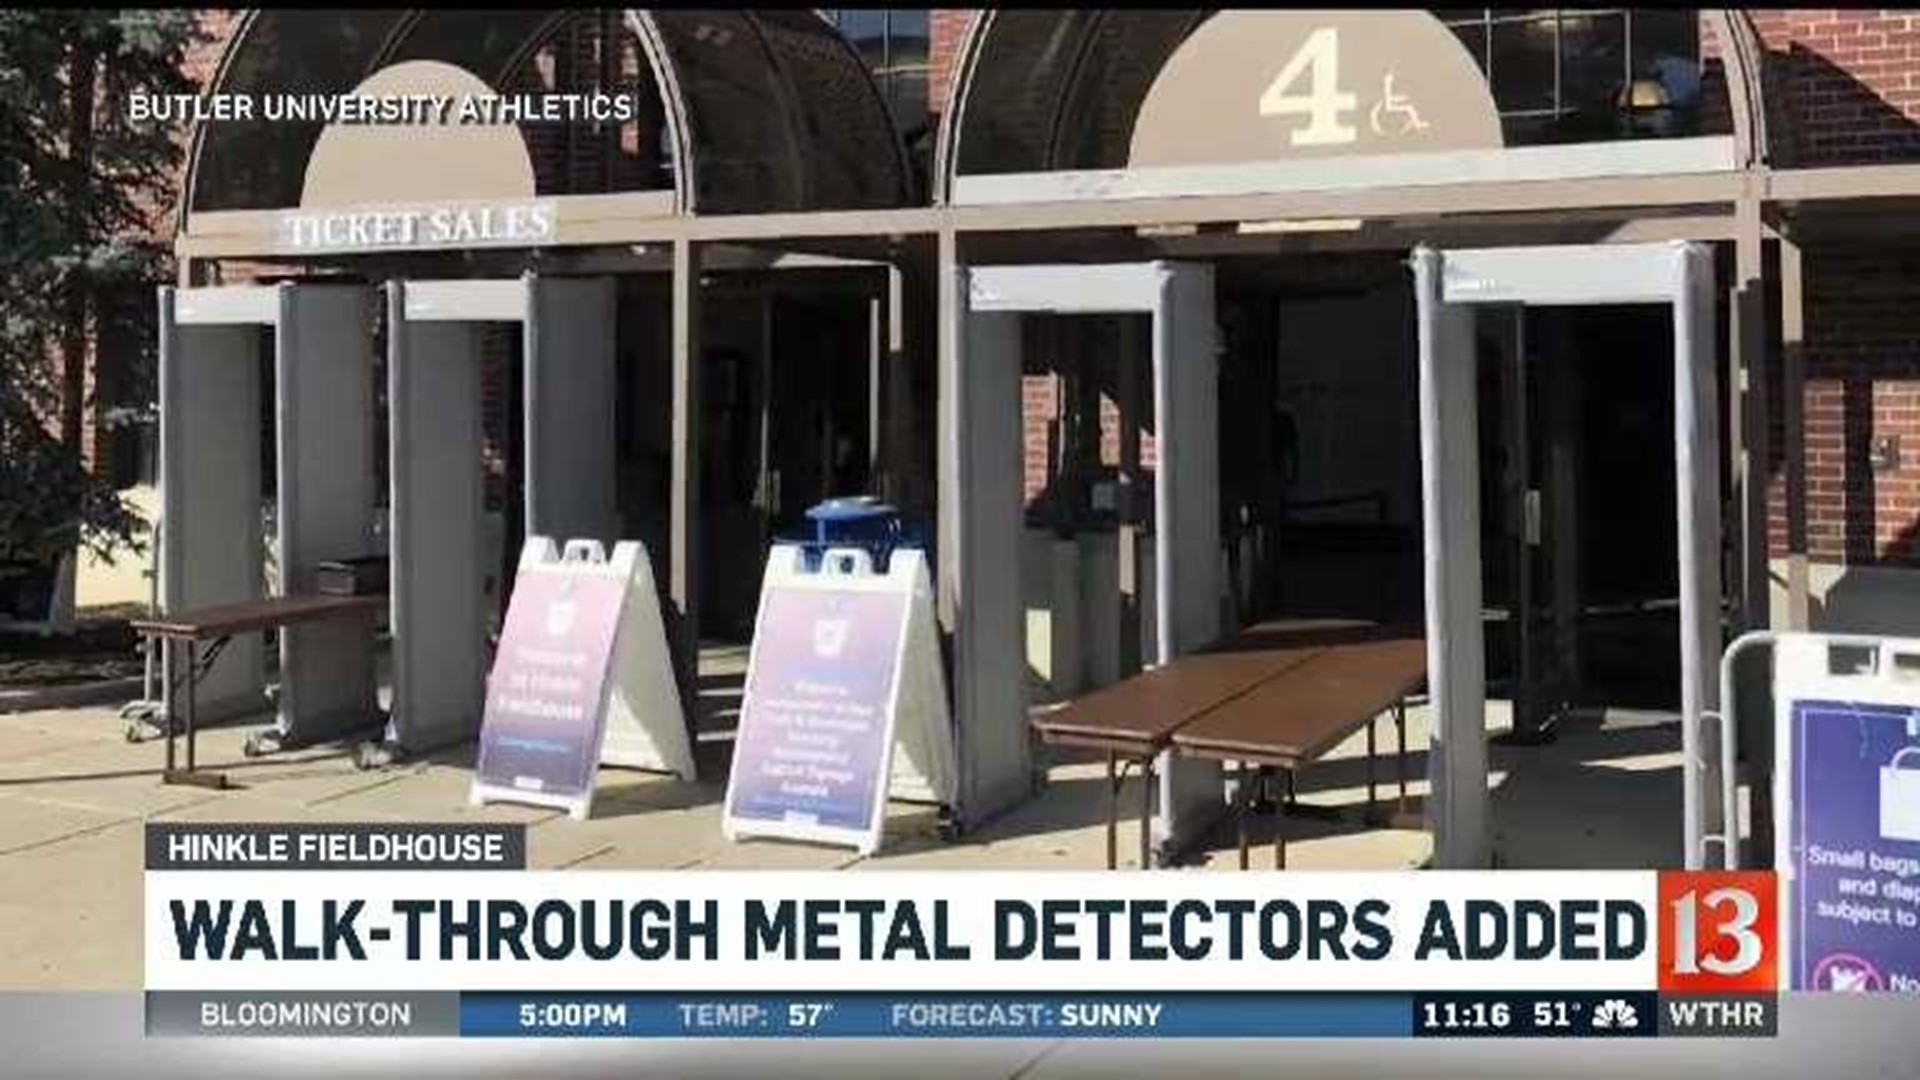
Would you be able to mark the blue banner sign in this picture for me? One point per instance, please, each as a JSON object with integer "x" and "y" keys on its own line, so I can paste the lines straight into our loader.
{"x": 1853, "y": 911}
{"x": 1092, "y": 1015}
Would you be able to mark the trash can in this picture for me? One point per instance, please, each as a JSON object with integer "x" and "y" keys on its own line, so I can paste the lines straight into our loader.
{"x": 861, "y": 521}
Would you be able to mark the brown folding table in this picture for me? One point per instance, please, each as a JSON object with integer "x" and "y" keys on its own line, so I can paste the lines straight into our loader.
{"x": 1135, "y": 720}
{"x": 217, "y": 624}
{"x": 1294, "y": 718}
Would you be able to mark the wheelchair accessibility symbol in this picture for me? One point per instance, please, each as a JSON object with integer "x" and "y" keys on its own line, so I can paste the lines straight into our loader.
{"x": 1394, "y": 114}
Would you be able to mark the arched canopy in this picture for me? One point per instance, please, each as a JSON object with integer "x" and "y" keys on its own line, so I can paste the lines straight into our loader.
{"x": 1063, "y": 90}
{"x": 739, "y": 111}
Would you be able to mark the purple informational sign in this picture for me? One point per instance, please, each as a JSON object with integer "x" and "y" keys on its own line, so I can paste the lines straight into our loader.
{"x": 815, "y": 723}
{"x": 1854, "y": 905}
{"x": 542, "y": 727}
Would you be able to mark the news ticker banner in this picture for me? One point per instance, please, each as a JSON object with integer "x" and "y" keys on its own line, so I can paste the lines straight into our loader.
{"x": 399, "y": 930}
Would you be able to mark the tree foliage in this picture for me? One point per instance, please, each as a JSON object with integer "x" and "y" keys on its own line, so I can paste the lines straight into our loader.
{"x": 83, "y": 200}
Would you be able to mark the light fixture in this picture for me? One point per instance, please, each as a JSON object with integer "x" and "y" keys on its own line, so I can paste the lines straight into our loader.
{"x": 1300, "y": 225}
{"x": 1645, "y": 95}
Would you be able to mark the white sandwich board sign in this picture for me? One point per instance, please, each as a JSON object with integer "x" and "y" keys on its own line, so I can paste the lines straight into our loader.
{"x": 845, "y": 702}
{"x": 580, "y": 678}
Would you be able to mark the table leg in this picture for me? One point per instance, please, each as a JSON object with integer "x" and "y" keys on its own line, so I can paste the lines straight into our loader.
{"x": 1400, "y": 761}
{"x": 191, "y": 774}
{"x": 167, "y": 696}
{"x": 193, "y": 694}
{"x": 1113, "y": 810}
{"x": 1146, "y": 813}
{"x": 1263, "y": 790}
{"x": 1280, "y": 826}
{"x": 1244, "y": 808}
{"x": 1372, "y": 754}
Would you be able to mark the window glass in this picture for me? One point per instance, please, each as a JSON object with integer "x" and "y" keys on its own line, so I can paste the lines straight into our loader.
{"x": 1593, "y": 59}
{"x": 868, "y": 32}
{"x": 1666, "y": 48}
{"x": 1522, "y": 72}
{"x": 1586, "y": 74}
{"x": 907, "y": 33}
{"x": 894, "y": 44}
{"x": 255, "y": 164}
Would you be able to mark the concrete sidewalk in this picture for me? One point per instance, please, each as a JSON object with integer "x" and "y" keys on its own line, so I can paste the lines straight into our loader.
{"x": 74, "y": 795}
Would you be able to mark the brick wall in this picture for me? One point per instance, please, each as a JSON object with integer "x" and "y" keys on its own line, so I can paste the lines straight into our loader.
{"x": 1040, "y": 398}
{"x": 1847, "y": 82}
{"x": 1863, "y": 384}
{"x": 1845, "y": 88}
{"x": 203, "y": 61}
{"x": 1040, "y": 406}
{"x": 217, "y": 25}
{"x": 947, "y": 28}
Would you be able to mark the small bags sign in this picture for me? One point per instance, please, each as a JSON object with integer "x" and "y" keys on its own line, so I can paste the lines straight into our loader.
{"x": 1900, "y": 796}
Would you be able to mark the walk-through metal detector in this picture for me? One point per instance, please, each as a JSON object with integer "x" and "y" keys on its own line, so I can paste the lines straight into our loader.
{"x": 438, "y": 535}
{"x": 985, "y": 514}
{"x": 211, "y": 435}
{"x": 1449, "y": 285}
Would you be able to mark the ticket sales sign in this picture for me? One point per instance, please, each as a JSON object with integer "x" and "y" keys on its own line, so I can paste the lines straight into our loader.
{"x": 475, "y": 952}
{"x": 520, "y": 223}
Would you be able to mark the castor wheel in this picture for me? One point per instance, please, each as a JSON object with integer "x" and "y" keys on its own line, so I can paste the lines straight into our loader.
{"x": 133, "y": 731}
{"x": 262, "y": 743}
{"x": 373, "y": 755}
{"x": 949, "y": 829}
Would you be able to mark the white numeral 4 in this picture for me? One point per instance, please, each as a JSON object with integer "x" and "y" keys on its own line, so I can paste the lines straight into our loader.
{"x": 1324, "y": 103}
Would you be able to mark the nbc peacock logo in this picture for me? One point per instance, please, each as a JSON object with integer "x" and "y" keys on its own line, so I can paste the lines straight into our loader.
{"x": 1616, "y": 1014}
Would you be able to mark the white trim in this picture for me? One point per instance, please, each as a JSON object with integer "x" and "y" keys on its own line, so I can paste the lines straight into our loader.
{"x": 1105, "y": 287}
{"x": 1563, "y": 274}
{"x": 227, "y": 305}
{"x": 1636, "y": 157}
{"x": 502, "y": 300}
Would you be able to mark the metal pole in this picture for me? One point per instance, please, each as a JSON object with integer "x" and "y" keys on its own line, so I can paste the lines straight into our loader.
{"x": 1696, "y": 463}
{"x": 1450, "y": 500}
{"x": 684, "y": 544}
{"x": 1128, "y": 497}
{"x": 1793, "y": 388}
{"x": 1166, "y": 526}
{"x": 1729, "y": 835}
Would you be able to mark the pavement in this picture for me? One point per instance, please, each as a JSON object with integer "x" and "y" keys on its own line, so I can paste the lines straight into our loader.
{"x": 74, "y": 796}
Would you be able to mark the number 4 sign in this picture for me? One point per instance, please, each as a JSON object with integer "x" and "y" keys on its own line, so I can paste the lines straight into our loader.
{"x": 1279, "y": 85}
{"x": 1719, "y": 932}
{"x": 1324, "y": 102}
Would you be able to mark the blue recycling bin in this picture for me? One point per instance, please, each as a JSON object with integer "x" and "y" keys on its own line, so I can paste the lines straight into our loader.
{"x": 860, "y": 521}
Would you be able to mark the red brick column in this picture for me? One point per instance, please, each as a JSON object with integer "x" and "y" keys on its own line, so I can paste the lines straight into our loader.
{"x": 947, "y": 29}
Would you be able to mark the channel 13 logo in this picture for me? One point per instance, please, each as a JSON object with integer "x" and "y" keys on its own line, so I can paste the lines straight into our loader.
{"x": 1719, "y": 932}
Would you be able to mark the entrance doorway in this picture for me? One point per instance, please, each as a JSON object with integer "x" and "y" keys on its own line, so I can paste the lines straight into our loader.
{"x": 1577, "y": 490}
{"x": 1320, "y": 470}
{"x": 787, "y": 423}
